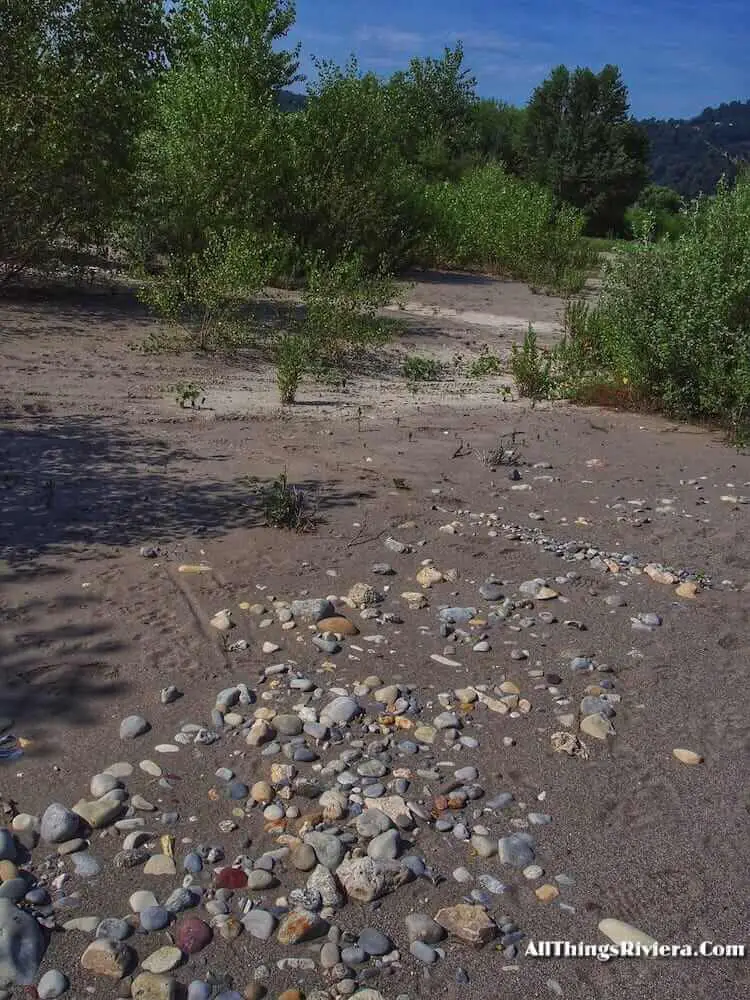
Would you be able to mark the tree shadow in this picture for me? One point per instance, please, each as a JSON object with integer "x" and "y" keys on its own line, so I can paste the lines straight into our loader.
{"x": 78, "y": 481}
{"x": 53, "y": 669}
{"x": 433, "y": 276}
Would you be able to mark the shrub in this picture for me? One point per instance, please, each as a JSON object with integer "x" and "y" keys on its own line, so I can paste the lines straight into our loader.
{"x": 531, "y": 367}
{"x": 419, "y": 369}
{"x": 493, "y": 220}
{"x": 485, "y": 365}
{"x": 673, "y": 323}
{"x": 287, "y": 506}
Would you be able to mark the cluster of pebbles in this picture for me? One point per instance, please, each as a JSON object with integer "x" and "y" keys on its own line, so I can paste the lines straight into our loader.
{"x": 334, "y": 797}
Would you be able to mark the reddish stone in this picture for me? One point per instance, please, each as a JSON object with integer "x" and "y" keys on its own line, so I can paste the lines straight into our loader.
{"x": 192, "y": 935}
{"x": 231, "y": 878}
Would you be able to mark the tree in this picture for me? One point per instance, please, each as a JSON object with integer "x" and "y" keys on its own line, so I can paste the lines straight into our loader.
{"x": 582, "y": 143}
{"x": 214, "y": 155}
{"x": 74, "y": 80}
{"x": 499, "y": 133}
{"x": 434, "y": 101}
{"x": 353, "y": 189}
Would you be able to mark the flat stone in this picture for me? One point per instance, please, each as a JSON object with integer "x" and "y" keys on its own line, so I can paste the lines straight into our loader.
{"x": 688, "y": 757}
{"x": 365, "y": 879}
{"x": 466, "y": 922}
{"x": 597, "y": 726}
{"x": 99, "y": 813}
{"x": 101, "y": 784}
{"x": 21, "y": 946}
{"x": 259, "y": 923}
{"x": 85, "y": 864}
{"x": 133, "y": 726}
{"x": 620, "y": 933}
{"x": 141, "y": 900}
{"x": 151, "y": 986}
{"x": 122, "y": 769}
{"x": 517, "y": 850}
{"x": 59, "y": 824}
{"x": 114, "y": 929}
{"x": 154, "y": 918}
{"x": 546, "y": 893}
{"x": 312, "y": 609}
{"x": 340, "y": 711}
{"x": 87, "y": 925}
{"x": 104, "y": 957}
{"x": 160, "y": 864}
{"x": 421, "y": 927}
{"x": 323, "y": 882}
{"x": 385, "y": 846}
{"x": 162, "y": 960}
{"x": 423, "y": 952}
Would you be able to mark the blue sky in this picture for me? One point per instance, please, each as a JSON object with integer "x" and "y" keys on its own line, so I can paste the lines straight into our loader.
{"x": 677, "y": 56}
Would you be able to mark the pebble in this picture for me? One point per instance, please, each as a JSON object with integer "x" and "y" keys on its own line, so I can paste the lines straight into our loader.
{"x": 52, "y": 985}
{"x": 162, "y": 960}
{"x": 374, "y": 942}
{"x": 688, "y": 757}
{"x": 105, "y": 957}
{"x": 21, "y": 945}
{"x": 133, "y": 726}
{"x": 59, "y": 824}
{"x": 154, "y": 918}
{"x": 152, "y": 986}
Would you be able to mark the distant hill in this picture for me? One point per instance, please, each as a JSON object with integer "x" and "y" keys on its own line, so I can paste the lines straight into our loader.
{"x": 690, "y": 155}
{"x": 289, "y": 101}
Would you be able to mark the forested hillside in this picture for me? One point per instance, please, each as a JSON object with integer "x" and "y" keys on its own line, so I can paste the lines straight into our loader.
{"x": 691, "y": 155}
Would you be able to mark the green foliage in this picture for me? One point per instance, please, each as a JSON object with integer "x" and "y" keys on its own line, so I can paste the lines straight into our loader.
{"x": 500, "y": 130}
{"x": 416, "y": 369}
{"x": 582, "y": 144}
{"x": 188, "y": 393}
{"x": 433, "y": 104}
{"x": 493, "y": 220}
{"x": 532, "y": 368}
{"x": 74, "y": 79}
{"x": 294, "y": 356}
{"x": 351, "y": 189}
{"x": 214, "y": 155}
{"x": 205, "y": 294}
{"x": 485, "y": 365}
{"x": 287, "y": 506}
{"x": 673, "y": 323}
{"x": 658, "y": 213}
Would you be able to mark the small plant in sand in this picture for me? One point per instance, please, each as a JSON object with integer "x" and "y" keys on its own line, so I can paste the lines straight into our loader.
{"x": 188, "y": 394}
{"x": 287, "y": 506}
{"x": 506, "y": 452}
{"x": 531, "y": 367}
{"x": 486, "y": 365}
{"x": 293, "y": 356}
{"x": 417, "y": 370}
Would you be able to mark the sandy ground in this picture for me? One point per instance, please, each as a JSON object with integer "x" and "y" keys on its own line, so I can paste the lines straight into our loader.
{"x": 96, "y": 460}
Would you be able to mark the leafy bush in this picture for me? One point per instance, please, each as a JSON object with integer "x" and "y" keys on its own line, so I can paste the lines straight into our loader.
{"x": 494, "y": 220}
{"x": 673, "y": 323}
{"x": 205, "y": 293}
{"x": 485, "y": 365}
{"x": 532, "y": 368}
{"x": 420, "y": 369}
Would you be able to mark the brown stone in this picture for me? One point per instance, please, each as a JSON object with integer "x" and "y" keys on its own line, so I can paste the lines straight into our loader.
{"x": 546, "y": 893}
{"x": 148, "y": 986}
{"x": 339, "y": 624}
{"x": 107, "y": 958}
{"x": 466, "y": 922}
{"x": 300, "y": 925}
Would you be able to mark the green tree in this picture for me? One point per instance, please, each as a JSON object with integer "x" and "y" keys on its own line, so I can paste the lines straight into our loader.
{"x": 499, "y": 133}
{"x": 74, "y": 80}
{"x": 214, "y": 155}
{"x": 352, "y": 190}
{"x": 582, "y": 143}
{"x": 434, "y": 101}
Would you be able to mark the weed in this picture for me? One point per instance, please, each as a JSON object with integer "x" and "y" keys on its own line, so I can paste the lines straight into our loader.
{"x": 505, "y": 452}
{"x": 188, "y": 393}
{"x": 532, "y": 368}
{"x": 287, "y": 506}
{"x": 486, "y": 365}
{"x": 420, "y": 369}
